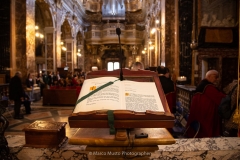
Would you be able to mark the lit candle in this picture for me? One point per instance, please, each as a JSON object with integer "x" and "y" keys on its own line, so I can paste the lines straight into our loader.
{"x": 182, "y": 78}
{"x": 94, "y": 68}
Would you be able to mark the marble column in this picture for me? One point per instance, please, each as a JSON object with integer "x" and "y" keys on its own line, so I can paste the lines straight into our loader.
{"x": 13, "y": 67}
{"x": 163, "y": 25}
{"x": 156, "y": 49}
{"x": 58, "y": 23}
{"x": 176, "y": 43}
{"x": 50, "y": 59}
{"x": 69, "y": 53}
{"x": 74, "y": 53}
{"x": 159, "y": 47}
{"x": 18, "y": 37}
{"x": 30, "y": 35}
{"x": 194, "y": 44}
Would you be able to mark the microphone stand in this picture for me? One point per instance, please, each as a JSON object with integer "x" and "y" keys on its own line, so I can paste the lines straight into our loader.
{"x": 118, "y": 31}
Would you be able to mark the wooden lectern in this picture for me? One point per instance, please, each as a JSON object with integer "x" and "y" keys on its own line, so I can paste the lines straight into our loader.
{"x": 94, "y": 126}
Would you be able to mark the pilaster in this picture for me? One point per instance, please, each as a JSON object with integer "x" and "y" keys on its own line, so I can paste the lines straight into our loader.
{"x": 13, "y": 66}
{"x": 163, "y": 25}
{"x": 74, "y": 53}
{"x": 18, "y": 26}
{"x": 69, "y": 53}
{"x": 50, "y": 56}
{"x": 30, "y": 35}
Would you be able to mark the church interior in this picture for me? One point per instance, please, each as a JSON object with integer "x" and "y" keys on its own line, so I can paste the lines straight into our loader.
{"x": 91, "y": 38}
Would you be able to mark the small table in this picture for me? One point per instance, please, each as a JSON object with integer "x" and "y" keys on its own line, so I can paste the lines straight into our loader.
{"x": 45, "y": 134}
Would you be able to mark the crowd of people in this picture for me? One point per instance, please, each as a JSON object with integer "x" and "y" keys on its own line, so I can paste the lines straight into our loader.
{"x": 22, "y": 93}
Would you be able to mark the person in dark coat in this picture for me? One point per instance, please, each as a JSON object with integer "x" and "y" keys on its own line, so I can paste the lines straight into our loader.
{"x": 204, "y": 107}
{"x": 168, "y": 87}
{"x": 17, "y": 94}
{"x": 164, "y": 77}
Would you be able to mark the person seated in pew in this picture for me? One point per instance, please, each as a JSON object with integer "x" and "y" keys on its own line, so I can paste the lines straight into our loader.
{"x": 167, "y": 86}
{"x": 204, "y": 107}
{"x": 137, "y": 66}
{"x": 75, "y": 81}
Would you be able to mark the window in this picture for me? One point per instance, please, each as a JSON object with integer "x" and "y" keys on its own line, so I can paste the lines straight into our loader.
{"x": 112, "y": 66}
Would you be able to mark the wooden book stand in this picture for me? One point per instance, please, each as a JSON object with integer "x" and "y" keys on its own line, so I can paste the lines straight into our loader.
{"x": 125, "y": 119}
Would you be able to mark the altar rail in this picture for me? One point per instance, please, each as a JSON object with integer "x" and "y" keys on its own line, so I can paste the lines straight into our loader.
{"x": 184, "y": 99}
{"x": 184, "y": 95}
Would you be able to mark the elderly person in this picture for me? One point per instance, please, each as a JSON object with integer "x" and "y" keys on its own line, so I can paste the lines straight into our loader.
{"x": 137, "y": 66}
{"x": 204, "y": 107}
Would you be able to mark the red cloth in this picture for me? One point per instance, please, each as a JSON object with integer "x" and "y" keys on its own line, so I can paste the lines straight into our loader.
{"x": 171, "y": 99}
{"x": 74, "y": 82}
{"x": 204, "y": 108}
{"x": 78, "y": 89}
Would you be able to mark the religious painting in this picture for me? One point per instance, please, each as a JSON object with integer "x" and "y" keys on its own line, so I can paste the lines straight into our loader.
{"x": 69, "y": 46}
{"x": 39, "y": 51}
{"x": 69, "y": 56}
{"x": 50, "y": 51}
{"x": 219, "y": 13}
{"x": 49, "y": 64}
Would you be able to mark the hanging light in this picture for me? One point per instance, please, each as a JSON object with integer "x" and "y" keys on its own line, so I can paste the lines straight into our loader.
{"x": 37, "y": 34}
{"x": 41, "y": 35}
{"x": 36, "y": 27}
{"x": 62, "y": 43}
{"x": 79, "y": 54}
{"x": 153, "y": 30}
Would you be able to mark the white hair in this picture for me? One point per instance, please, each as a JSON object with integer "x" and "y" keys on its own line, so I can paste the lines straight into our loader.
{"x": 137, "y": 65}
{"x": 210, "y": 72}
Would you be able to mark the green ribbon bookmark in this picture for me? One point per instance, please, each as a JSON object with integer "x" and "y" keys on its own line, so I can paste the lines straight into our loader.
{"x": 112, "y": 129}
{"x": 109, "y": 112}
{"x": 94, "y": 91}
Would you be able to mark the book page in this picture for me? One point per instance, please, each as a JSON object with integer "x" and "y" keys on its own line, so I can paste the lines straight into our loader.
{"x": 142, "y": 96}
{"x": 105, "y": 99}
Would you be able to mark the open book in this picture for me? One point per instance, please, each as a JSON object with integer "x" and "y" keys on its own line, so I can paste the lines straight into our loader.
{"x": 121, "y": 95}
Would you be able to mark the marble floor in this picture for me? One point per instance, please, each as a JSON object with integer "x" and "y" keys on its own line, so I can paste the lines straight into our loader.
{"x": 39, "y": 112}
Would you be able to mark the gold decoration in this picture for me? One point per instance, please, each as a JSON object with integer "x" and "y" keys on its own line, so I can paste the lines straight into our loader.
{"x": 93, "y": 88}
{"x": 236, "y": 116}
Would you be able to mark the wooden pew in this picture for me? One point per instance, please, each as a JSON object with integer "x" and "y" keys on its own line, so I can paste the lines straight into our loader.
{"x": 60, "y": 96}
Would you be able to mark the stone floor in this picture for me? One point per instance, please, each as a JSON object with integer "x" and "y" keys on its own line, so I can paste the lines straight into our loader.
{"x": 39, "y": 112}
